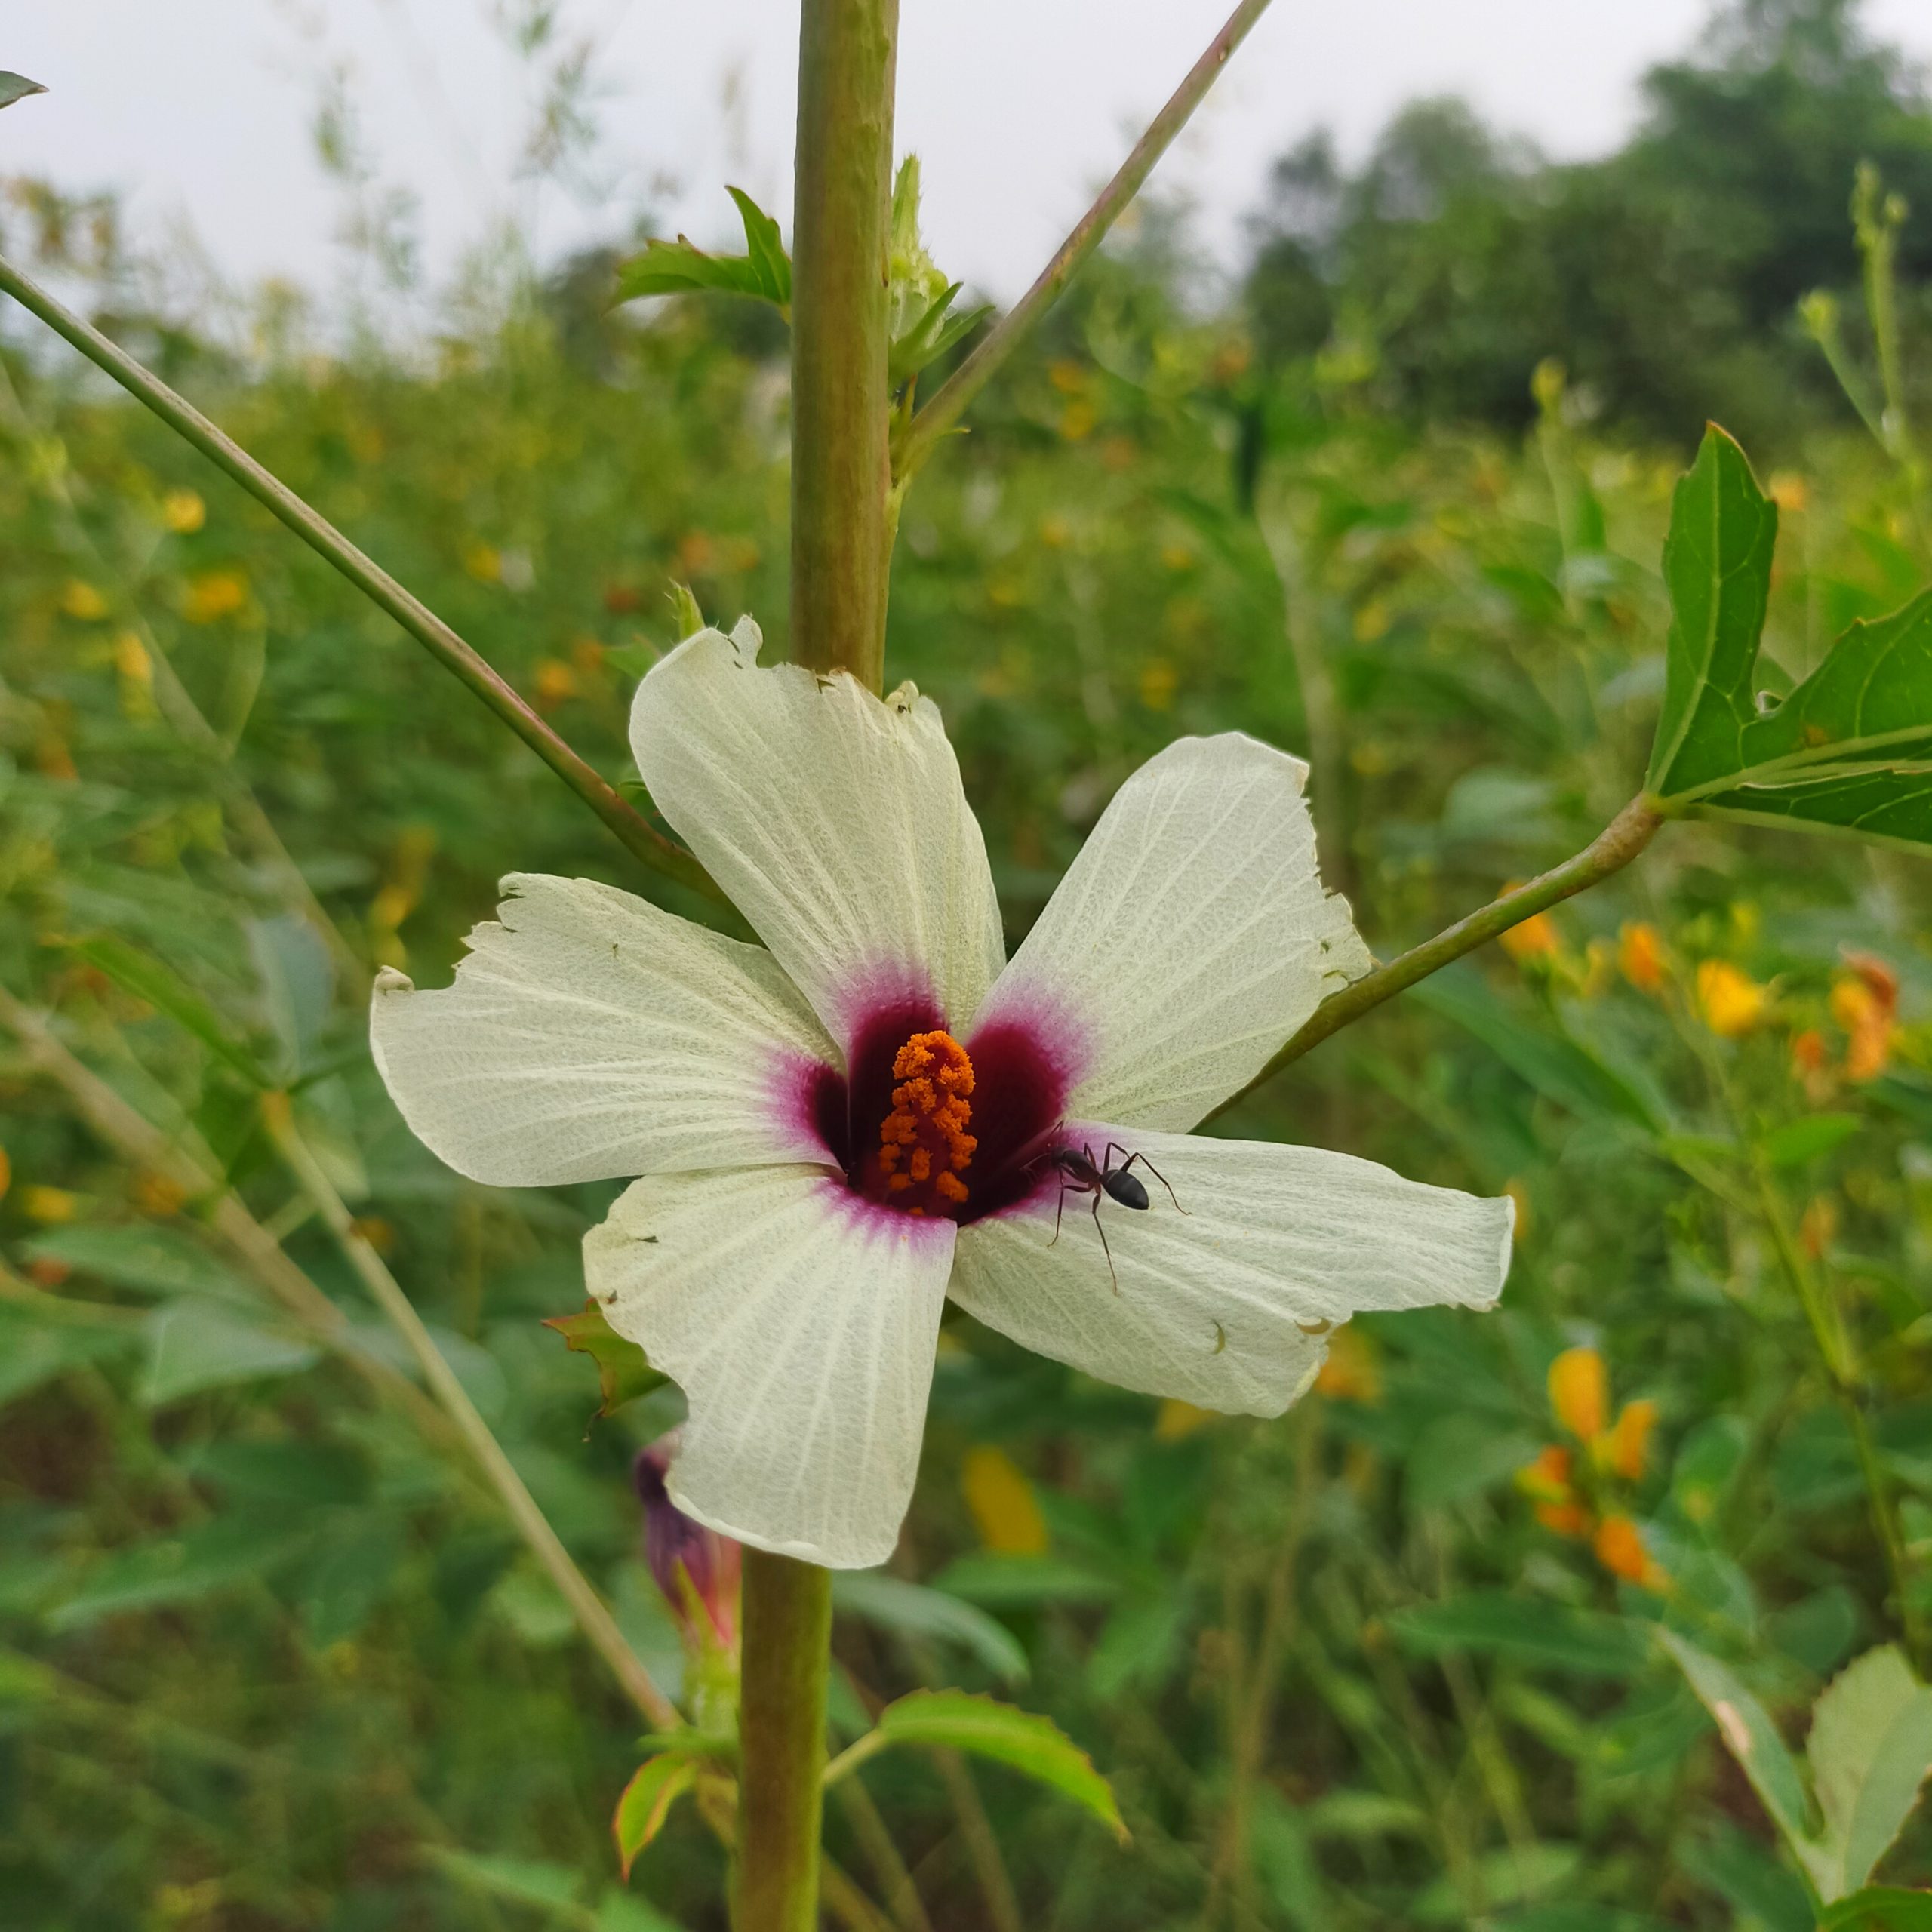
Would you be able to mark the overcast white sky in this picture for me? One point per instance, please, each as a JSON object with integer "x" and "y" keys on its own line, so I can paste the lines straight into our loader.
{"x": 1018, "y": 108}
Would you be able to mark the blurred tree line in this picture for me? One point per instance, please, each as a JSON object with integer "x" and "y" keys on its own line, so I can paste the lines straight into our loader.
{"x": 1666, "y": 276}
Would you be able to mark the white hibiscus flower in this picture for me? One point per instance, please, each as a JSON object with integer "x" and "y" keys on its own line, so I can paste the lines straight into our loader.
{"x": 835, "y": 1134}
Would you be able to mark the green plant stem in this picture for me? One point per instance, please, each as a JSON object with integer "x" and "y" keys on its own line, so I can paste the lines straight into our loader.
{"x": 1828, "y": 1333}
{"x": 841, "y": 409}
{"x": 636, "y": 832}
{"x": 954, "y": 396}
{"x": 840, "y": 481}
{"x": 593, "y": 1615}
{"x": 1621, "y": 841}
{"x": 787, "y": 1628}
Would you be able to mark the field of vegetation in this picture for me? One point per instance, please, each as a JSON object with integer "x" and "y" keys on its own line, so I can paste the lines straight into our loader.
{"x": 272, "y": 1657}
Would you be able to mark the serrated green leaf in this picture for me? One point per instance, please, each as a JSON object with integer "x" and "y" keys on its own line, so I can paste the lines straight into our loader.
{"x": 675, "y": 268}
{"x": 1495, "y": 1624}
{"x": 764, "y": 249}
{"x": 1870, "y": 1749}
{"x": 655, "y": 1786}
{"x": 1849, "y": 750}
{"x": 1717, "y": 564}
{"x": 160, "y": 987}
{"x": 623, "y": 1371}
{"x": 915, "y": 1610}
{"x": 16, "y": 87}
{"x": 1751, "y": 1737}
{"x": 1798, "y": 1141}
{"x": 1036, "y": 1746}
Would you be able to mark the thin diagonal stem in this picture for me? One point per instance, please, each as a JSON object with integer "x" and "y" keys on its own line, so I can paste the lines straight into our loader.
{"x": 174, "y": 703}
{"x": 634, "y": 831}
{"x": 954, "y": 396}
{"x": 593, "y": 1615}
{"x": 1620, "y": 841}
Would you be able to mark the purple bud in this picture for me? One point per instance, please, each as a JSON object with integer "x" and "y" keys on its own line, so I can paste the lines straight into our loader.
{"x": 673, "y": 1542}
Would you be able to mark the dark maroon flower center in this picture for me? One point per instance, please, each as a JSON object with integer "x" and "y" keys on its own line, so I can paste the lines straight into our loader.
{"x": 926, "y": 1125}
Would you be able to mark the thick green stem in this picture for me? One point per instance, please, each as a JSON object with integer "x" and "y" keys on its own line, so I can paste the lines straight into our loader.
{"x": 841, "y": 479}
{"x": 1619, "y": 841}
{"x": 636, "y": 832}
{"x": 787, "y": 1636}
{"x": 841, "y": 458}
{"x": 941, "y": 415}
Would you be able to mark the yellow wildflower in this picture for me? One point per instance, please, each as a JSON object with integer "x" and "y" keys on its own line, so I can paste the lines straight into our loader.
{"x": 1580, "y": 1393}
{"x": 1731, "y": 1003}
{"x": 184, "y": 512}
{"x": 1002, "y": 1502}
{"x": 214, "y": 595}
{"x": 1627, "y": 1444}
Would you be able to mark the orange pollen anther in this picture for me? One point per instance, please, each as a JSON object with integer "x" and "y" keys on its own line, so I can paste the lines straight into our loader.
{"x": 923, "y": 1141}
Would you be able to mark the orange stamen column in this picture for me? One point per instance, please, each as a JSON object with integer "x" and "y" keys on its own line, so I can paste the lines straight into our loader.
{"x": 924, "y": 1146}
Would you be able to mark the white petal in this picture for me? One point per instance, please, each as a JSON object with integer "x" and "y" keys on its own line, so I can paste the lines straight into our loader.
{"x": 591, "y": 1035}
{"x": 835, "y": 821}
{"x": 1191, "y": 937}
{"x": 801, "y": 1324}
{"x": 1226, "y": 1305}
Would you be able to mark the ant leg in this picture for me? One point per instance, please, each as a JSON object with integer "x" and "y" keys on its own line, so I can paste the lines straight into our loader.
{"x": 1059, "y": 1208}
{"x": 1155, "y": 1171}
{"x": 1111, "y": 1270}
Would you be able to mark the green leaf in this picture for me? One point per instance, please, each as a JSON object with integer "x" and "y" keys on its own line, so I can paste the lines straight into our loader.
{"x": 1495, "y": 1624}
{"x": 168, "y": 1569}
{"x": 765, "y": 248}
{"x": 958, "y": 1721}
{"x": 623, "y": 1371}
{"x": 1717, "y": 565}
{"x": 996, "y": 1580}
{"x": 763, "y": 272}
{"x": 16, "y": 87}
{"x": 34, "y": 1349}
{"x": 149, "y": 980}
{"x": 655, "y": 1786}
{"x": 148, "y": 1258}
{"x": 1881, "y": 1908}
{"x": 915, "y": 1610}
{"x": 1849, "y": 750}
{"x": 1556, "y": 1065}
{"x": 1798, "y": 1141}
{"x": 532, "y": 1882}
{"x": 1870, "y": 1749}
{"x": 193, "y": 1346}
{"x": 1751, "y": 1738}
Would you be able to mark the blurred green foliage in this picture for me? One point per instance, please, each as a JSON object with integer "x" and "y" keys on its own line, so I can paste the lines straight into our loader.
{"x": 270, "y": 1659}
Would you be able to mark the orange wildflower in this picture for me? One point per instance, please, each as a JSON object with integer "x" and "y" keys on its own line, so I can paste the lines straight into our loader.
{"x": 1865, "y": 1002}
{"x": 1639, "y": 956}
{"x": 1620, "y": 1548}
{"x": 1351, "y": 1373}
{"x": 1628, "y": 1443}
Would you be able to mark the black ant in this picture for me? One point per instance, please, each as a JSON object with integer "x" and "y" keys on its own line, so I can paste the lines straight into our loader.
{"x": 1080, "y": 1173}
